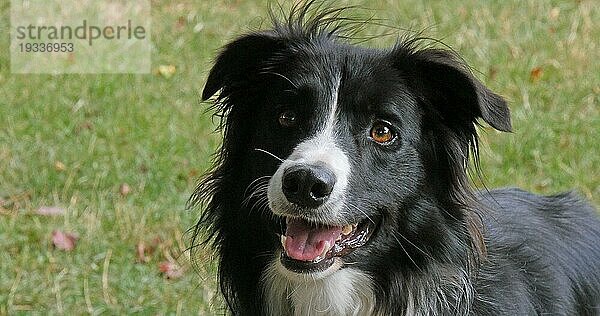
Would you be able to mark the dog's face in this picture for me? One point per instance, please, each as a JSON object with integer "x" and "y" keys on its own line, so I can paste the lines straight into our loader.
{"x": 344, "y": 139}
{"x": 350, "y": 126}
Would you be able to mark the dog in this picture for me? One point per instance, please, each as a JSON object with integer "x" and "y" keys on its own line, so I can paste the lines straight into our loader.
{"x": 342, "y": 186}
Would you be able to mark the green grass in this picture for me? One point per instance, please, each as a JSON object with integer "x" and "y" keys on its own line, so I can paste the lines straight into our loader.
{"x": 153, "y": 134}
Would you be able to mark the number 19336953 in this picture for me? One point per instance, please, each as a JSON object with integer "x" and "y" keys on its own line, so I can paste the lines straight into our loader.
{"x": 46, "y": 47}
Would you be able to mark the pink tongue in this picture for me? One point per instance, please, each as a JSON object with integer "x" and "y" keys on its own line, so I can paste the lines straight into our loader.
{"x": 305, "y": 242}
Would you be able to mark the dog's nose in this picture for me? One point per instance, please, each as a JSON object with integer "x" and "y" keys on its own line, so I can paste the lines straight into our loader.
{"x": 308, "y": 185}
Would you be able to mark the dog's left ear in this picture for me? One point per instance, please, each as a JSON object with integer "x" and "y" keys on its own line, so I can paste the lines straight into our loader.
{"x": 239, "y": 62}
{"x": 450, "y": 87}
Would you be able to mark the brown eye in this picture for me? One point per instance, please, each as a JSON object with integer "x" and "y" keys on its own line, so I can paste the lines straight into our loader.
{"x": 287, "y": 118}
{"x": 382, "y": 133}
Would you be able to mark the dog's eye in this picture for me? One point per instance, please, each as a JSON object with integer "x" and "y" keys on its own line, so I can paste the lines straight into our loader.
{"x": 287, "y": 118}
{"x": 382, "y": 133}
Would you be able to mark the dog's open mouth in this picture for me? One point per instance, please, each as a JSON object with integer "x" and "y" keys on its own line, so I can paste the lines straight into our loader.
{"x": 309, "y": 247}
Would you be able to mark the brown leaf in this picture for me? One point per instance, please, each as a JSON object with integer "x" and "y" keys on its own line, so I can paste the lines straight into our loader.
{"x": 64, "y": 241}
{"x": 140, "y": 250}
{"x": 2, "y": 209}
{"x": 143, "y": 168}
{"x": 535, "y": 74}
{"x": 167, "y": 71}
{"x": 193, "y": 173}
{"x": 50, "y": 211}
{"x": 492, "y": 72}
{"x": 124, "y": 189}
{"x": 181, "y": 22}
{"x": 59, "y": 166}
{"x": 554, "y": 13}
{"x": 156, "y": 241}
{"x": 16, "y": 201}
{"x": 170, "y": 270}
{"x": 87, "y": 125}
{"x": 144, "y": 249}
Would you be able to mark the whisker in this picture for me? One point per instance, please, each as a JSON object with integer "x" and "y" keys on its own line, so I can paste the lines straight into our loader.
{"x": 254, "y": 181}
{"x": 358, "y": 209}
{"x": 281, "y": 76}
{"x": 406, "y": 252}
{"x": 259, "y": 204}
{"x": 268, "y": 153}
{"x": 263, "y": 254}
{"x": 260, "y": 191}
{"x": 256, "y": 191}
{"x": 262, "y": 202}
{"x": 421, "y": 250}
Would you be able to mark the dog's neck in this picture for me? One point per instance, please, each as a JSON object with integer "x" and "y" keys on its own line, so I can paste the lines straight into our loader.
{"x": 346, "y": 292}
{"x": 350, "y": 292}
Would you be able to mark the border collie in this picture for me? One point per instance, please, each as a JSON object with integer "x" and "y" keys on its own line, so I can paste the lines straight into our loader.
{"x": 342, "y": 187}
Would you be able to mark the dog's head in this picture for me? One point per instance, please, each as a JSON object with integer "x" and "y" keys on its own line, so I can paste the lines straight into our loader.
{"x": 347, "y": 152}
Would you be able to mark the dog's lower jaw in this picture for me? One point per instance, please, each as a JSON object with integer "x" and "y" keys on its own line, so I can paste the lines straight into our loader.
{"x": 334, "y": 291}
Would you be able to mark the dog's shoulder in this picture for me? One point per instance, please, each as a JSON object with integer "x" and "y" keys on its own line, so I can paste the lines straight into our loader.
{"x": 548, "y": 225}
{"x": 544, "y": 250}
{"x": 563, "y": 211}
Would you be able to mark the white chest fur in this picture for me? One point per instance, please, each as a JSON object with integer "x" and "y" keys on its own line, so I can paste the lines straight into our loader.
{"x": 344, "y": 292}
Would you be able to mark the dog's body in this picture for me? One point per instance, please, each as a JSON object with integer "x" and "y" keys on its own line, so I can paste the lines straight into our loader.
{"x": 341, "y": 188}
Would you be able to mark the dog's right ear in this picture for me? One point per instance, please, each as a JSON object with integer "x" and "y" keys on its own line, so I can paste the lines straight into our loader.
{"x": 240, "y": 61}
{"x": 448, "y": 85}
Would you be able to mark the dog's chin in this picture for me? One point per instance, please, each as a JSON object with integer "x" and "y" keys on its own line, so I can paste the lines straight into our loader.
{"x": 314, "y": 250}
{"x": 332, "y": 266}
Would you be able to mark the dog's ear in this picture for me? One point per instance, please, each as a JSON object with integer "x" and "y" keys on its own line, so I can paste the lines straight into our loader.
{"x": 455, "y": 93}
{"x": 239, "y": 62}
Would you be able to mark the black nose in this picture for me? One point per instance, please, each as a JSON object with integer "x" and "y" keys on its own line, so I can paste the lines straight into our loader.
{"x": 307, "y": 185}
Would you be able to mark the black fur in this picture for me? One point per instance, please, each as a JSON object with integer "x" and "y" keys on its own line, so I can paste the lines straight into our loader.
{"x": 453, "y": 251}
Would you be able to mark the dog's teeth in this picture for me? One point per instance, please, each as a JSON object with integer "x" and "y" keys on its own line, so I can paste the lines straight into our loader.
{"x": 347, "y": 229}
{"x": 325, "y": 250}
{"x": 283, "y": 238}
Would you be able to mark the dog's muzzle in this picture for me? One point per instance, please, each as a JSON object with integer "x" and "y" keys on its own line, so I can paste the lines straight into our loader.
{"x": 308, "y": 185}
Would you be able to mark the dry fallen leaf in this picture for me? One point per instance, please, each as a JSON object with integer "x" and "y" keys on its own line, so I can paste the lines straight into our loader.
{"x": 170, "y": 270}
{"x": 156, "y": 241}
{"x": 141, "y": 250}
{"x": 193, "y": 173}
{"x": 554, "y": 12}
{"x": 198, "y": 27}
{"x": 143, "y": 168}
{"x": 64, "y": 241}
{"x": 492, "y": 72}
{"x": 166, "y": 71}
{"x": 124, "y": 189}
{"x": 535, "y": 74}
{"x": 181, "y": 22}
{"x": 144, "y": 249}
{"x": 15, "y": 201}
{"x": 50, "y": 211}
{"x": 2, "y": 209}
{"x": 87, "y": 125}
{"x": 59, "y": 166}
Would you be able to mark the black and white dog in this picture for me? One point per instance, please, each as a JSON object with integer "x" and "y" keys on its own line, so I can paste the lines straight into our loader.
{"x": 341, "y": 187}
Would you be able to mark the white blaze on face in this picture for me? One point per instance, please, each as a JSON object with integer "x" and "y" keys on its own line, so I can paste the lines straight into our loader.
{"x": 320, "y": 149}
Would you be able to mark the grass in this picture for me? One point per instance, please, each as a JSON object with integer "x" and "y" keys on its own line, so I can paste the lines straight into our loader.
{"x": 152, "y": 133}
